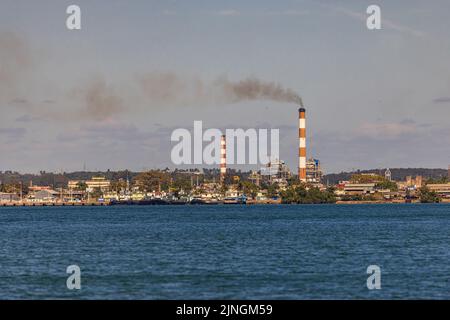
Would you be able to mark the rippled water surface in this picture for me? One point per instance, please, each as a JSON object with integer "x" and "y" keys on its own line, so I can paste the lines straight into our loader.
{"x": 226, "y": 252}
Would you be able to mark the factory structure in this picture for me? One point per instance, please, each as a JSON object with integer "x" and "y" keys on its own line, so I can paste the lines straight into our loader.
{"x": 314, "y": 173}
{"x": 276, "y": 171}
{"x": 309, "y": 170}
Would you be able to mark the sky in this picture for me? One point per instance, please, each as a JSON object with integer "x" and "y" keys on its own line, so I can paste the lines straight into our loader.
{"x": 108, "y": 96}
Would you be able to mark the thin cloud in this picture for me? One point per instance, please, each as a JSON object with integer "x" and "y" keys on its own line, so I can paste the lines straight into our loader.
{"x": 12, "y": 133}
{"x": 387, "y": 130}
{"x": 110, "y": 131}
{"x": 169, "y": 13}
{"x": 230, "y": 12}
{"x": 19, "y": 102}
{"x": 385, "y": 23}
{"x": 441, "y": 100}
{"x": 288, "y": 12}
{"x": 26, "y": 118}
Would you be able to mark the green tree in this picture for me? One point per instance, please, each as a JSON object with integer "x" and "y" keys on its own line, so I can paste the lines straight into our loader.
{"x": 437, "y": 180}
{"x": 428, "y": 196}
{"x": 81, "y": 186}
{"x": 153, "y": 180}
{"x": 272, "y": 190}
{"x": 363, "y": 178}
{"x": 249, "y": 188}
{"x": 13, "y": 187}
{"x": 119, "y": 185}
{"x": 223, "y": 189}
{"x": 96, "y": 194}
{"x": 181, "y": 182}
{"x": 299, "y": 194}
{"x": 386, "y": 184}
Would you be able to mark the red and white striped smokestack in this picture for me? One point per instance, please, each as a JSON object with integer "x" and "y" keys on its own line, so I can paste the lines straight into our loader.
{"x": 302, "y": 144}
{"x": 223, "y": 158}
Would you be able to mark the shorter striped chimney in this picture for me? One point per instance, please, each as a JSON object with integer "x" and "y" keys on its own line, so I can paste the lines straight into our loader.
{"x": 223, "y": 158}
{"x": 302, "y": 144}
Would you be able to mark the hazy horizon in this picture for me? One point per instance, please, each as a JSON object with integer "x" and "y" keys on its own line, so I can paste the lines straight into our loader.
{"x": 110, "y": 94}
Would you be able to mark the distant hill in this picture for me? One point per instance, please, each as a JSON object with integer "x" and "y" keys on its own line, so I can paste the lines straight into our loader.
{"x": 398, "y": 174}
{"x": 60, "y": 179}
{"x": 57, "y": 180}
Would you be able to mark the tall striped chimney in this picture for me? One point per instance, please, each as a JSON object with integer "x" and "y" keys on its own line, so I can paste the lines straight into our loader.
{"x": 223, "y": 158}
{"x": 302, "y": 144}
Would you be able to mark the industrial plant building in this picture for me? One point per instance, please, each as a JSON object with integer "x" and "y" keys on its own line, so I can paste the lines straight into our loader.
{"x": 314, "y": 172}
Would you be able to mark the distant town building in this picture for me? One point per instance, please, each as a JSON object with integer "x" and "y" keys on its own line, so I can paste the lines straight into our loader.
{"x": 359, "y": 188}
{"x": 414, "y": 182}
{"x": 442, "y": 189}
{"x": 138, "y": 196}
{"x": 388, "y": 175}
{"x": 43, "y": 196}
{"x": 232, "y": 193}
{"x": 8, "y": 197}
{"x": 100, "y": 183}
{"x": 370, "y": 174}
{"x": 33, "y": 188}
{"x": 73, "y": 184}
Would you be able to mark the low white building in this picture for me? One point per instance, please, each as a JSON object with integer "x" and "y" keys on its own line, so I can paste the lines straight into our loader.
{"x": 43, "y": 196}
{"x": 9, "y": 197}
{"x": 359, "y": 188}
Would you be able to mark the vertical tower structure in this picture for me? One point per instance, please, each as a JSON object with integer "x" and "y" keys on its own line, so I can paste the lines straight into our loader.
{"x": 388, "y": 175}
{"x": 223, "y": 158}
{"x": 302, "y": 144}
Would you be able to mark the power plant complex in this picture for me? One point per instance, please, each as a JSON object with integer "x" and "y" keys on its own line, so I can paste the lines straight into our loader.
{"x": 309, "y": 170}
{"x": 272, "y": 184}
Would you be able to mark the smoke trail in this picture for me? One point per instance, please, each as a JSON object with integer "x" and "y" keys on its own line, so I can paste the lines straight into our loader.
{"x": 100, "y": 101}
{"x": 163, "y": 89}
{"x": 255, "y": 89}
{"x": 97, "y": 100}
{"x": 15, "y": 62}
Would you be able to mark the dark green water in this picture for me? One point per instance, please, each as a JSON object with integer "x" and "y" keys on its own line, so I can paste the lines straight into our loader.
{"x": 226, "y": 252}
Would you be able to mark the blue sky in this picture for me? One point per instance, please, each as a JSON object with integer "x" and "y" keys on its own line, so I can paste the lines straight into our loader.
{"x": 374, "y": 99}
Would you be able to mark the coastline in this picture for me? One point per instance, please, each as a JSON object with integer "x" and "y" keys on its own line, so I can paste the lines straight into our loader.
{"x": 107, "y": 204}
